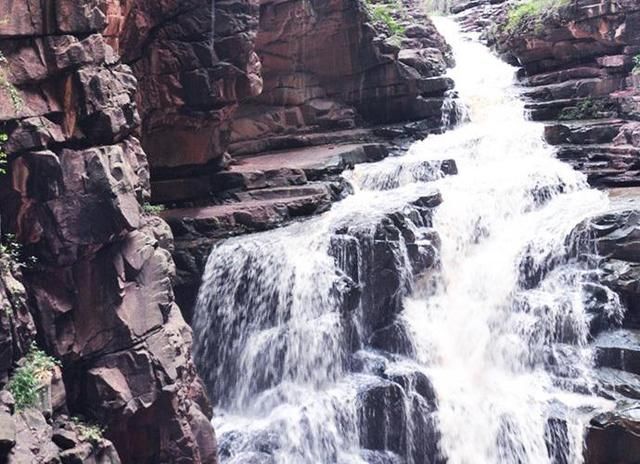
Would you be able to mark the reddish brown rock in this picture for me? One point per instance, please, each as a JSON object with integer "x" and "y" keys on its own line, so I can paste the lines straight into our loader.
{"x": 194, "y": 65}
{"x": 577, "y": 61}
{"x": 308, "y": 86}
{"x": 101, "y": 292}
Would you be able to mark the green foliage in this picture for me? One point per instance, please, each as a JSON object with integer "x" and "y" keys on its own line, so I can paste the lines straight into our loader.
{"x": 383, "y": 13}
{"x": 153, "y": 209}
{"x": 3, "y": 154}
{"x": 8, "y": 87}
{"x": 531, "y": 11}
{"x": 636, "y": 64}
{"x": 27, "y": 379}
{"x": 89, "y": 432}
{"x": 12, "y": 257}
{"x": 585, "y": 109}
{"x": 10, "y": 254}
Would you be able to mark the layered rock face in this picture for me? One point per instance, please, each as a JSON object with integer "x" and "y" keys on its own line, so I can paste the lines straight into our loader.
{"x": 579, "y": 67}
{"x": 329, "y": 73}
{"x": 195, "y": 62}
{"x": 100, "y": 296}
{"x": 613, "y": 436}
{"x": 246, "y": 76}
{"x": 326, "y": 66}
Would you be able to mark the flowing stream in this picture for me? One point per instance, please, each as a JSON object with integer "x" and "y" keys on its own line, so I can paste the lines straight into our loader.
{"x": 427, "y": 318}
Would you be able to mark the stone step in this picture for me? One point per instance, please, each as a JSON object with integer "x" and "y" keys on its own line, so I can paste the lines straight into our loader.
{"x": 576, "y": 88}
{"x": 313, "y": 161}
{"x": 563, "y": 75}
{"x": 293, "y": 141}
{"x": 581, "y": 132}
{"x": 569, "y": 108}
{"x": 605, "y": 165}
{"x": 281, "y": 193}
{"x": 267, "y": 210}
{"x": 616, "y": 384}
{"x": 599, "y": 152}
{"x": 284, "y": 168}
{"x": 619, "y": 349}
{"x": 614, "y": 436}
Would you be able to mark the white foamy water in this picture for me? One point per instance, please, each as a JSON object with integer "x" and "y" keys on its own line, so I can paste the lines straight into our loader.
{"x": 500, "y": 329}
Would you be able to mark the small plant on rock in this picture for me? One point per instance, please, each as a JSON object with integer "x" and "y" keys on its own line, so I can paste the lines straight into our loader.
{"x": 12, "y": 256}
{"x": 88, "y": 432}
{"x": 3, "y": 154}
{"x": 153, "y": 209}
{"x": 586, "y": 109}
{"x": 8, "y": 87}
{"x": 384, "y": 13}
{"x": 27, "y": 379}
{"x": 636, "y": 64}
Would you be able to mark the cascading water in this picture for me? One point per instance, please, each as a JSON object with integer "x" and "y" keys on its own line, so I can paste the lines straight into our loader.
{"x": 407, "y": 325}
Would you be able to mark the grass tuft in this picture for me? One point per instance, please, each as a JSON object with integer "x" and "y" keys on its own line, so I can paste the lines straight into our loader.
{"x": 531, "y": 11}
{"x": 153, "y": 209}
{"x": 3, "y": 154}
{"x": 27, "y": 379}
{"x": 383, "y": 13}
{"x": 88, "y": 432}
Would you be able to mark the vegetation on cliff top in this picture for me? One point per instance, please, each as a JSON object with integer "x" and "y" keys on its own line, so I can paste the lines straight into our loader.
{"x": 384, "y": 12}
{"x": 153, "y": 209}
{"x": 27, "y": 380}
{"x": 532, "y": 11}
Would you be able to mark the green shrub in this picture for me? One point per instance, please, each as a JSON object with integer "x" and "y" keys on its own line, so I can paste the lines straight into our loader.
{"x": 12, "y": 256}
{"x": 153, "y": 209}
{"x": 636, "y": 64}
{"x": 586, "y": 109}
{"x": 16, "y": 99}
{"x": 3, "y": 154}
{"x": 531, "y": 10}
{"x": 384, "y": 13}
{"x": 89, "y": 432}
{"x": 27, "y": 379}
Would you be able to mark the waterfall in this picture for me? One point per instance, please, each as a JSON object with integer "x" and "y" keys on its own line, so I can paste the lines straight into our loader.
{"x": 439, "y": 314}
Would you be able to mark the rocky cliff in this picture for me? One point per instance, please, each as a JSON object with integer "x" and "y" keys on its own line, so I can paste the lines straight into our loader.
{"x": 579, "y": 69}
{"x": 99, "y": 296}
{"x": 305, "y": 113}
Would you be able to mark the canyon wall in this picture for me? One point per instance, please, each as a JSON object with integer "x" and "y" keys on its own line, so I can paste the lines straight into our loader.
{"x": 194, "y": 61}
{"x": 245, "y": 76}
{"x": 98, "y": 286}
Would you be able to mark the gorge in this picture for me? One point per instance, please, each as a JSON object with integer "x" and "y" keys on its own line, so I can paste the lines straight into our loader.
{"x": 319, "y": 231}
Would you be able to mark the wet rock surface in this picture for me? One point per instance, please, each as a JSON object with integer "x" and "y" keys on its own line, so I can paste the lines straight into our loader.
{"x": 612, "y": 436}
{"x": 373, "y": 274}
